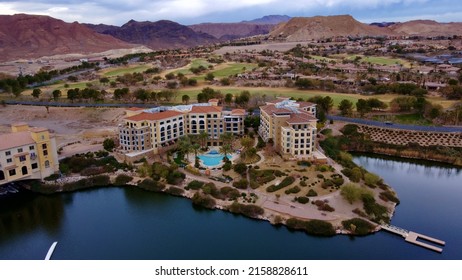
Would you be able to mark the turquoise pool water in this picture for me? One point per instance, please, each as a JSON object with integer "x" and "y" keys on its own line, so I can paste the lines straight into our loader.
{"x": 212, "y": 158}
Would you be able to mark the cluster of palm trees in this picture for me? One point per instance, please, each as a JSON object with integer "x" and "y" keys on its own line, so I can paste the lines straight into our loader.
{"x": 193, "y": 143}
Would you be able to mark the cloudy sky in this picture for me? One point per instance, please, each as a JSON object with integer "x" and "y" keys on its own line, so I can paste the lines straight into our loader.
{"x": 118, "y": 12}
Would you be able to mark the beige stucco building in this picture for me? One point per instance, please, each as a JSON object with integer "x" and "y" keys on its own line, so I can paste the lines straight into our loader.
{"x": 27, "y": 153}
{"x": 151, "y": 130}
{"x": 292, "y": 127}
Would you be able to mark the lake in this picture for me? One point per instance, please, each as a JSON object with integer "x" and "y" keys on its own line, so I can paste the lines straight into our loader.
{"x": 128, "y": 223}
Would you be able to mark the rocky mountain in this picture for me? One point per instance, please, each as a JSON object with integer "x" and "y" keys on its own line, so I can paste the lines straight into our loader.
{"x": 230, "y": 31}
{"x": 161, "y": 34}
{"x": 319, "y": 27}
{"x": 31, "y": 36}
{"x": 271, "y": 19}
{"x": 427, "y": 28}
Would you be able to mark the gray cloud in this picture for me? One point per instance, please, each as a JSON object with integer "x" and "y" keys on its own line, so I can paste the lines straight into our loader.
{"x": 195, "y": 11}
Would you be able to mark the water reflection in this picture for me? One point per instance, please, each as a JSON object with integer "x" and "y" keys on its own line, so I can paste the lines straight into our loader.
{"x": 25, "y": 212}
{"x": 409, "y": 166}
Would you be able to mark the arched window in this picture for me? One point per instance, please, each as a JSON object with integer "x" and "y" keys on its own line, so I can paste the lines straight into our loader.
{"x": 2, "y": 175}
{"x": 47, "y": 164}
{"x": 24, "y": 170}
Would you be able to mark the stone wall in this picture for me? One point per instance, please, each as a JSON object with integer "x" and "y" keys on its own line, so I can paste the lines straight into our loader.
{"x": 404, "y": 137}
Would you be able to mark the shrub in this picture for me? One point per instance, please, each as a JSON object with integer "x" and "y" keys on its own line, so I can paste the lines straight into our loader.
{"x": 295, "y": 189}
{"x": 203, "y": 200}
{"x": 358, "y": 226}
{"x": 320, "y": 176}
{"x": 356, "y": 174}
{"x": 122, "y": 179}
{"x": 377, "y": 212}
{"x": 286, "y": 182}
{"x": 174, "y": 191}
{"x": 52, "y": 177}
{"x": 252, "y": 211}
{"x": 99, "y": 181}
{"x": 108, "y": 144}
{"x": 227, "y": 166}
{"x": 371, "y": 179}
{"x": 314, "y": 227}
{"x": 389, "y": 196}
{"x": 303, "y": 183}
{"x": 240, "y": 168}
{"x": 303, "y": 199}
{"x": 151, "y": 185}
{"x": 352, "y": 192}
{"x": 194, "y": 185}
{"x": 241, "y": 184}
{"x": 94, "y": 170}
{"x": 312, "y": 193}
{"x": 229, "y": 193}
{"x": 175, "y": 177}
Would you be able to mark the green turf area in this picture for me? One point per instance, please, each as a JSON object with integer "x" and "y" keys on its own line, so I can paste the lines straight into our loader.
{"x": 233, "y": 69}
{"x": 127, "y": 70}
{"x": 321, "y": 58}
{"x": 271, "y": 93}
{"x": 194, "y": 64}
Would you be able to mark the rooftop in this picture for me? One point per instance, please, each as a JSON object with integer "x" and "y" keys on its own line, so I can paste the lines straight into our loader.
{"x": 154, "y": 116}
{"x": 15, "y": 139}
{"x": 205, "y": 109}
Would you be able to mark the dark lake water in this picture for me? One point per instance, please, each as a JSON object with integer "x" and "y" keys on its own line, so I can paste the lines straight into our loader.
{"x": 128, "y": 223}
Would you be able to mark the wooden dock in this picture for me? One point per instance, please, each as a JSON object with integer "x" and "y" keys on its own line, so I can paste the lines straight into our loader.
{"x": 412, "y": 237}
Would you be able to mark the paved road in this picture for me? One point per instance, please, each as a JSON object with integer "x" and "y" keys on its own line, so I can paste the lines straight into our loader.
{"x": 398, "y": 126}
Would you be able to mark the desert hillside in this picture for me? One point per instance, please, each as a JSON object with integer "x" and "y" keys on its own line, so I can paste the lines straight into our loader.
{"x": 30, "y": 36}
{"x": 314, "y": 28}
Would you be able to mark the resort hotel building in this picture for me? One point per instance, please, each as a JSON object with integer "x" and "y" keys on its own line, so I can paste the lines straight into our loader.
{"x": 291, "y": 126}
{"x": 159, "y": 128}
{"x": 27, "y": 153}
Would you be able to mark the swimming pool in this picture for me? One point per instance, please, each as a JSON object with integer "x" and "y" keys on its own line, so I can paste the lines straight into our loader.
{"x": 212, "y": 158}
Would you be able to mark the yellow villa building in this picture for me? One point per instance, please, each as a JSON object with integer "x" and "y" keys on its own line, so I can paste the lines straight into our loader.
{"x": 291, "y": 126}
{"x": 27, "y": 153}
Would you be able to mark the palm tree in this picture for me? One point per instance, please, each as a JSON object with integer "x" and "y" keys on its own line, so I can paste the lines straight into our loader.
{"x": 203, "y": 136}
{"x": 195, "y": 148}
{"x": 185, "y": 146}
{"x": 225, "y": 150}
{"x": 227, "y": 139}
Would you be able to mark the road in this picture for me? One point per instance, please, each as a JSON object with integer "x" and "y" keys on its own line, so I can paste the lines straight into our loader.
{"x": 398, "y": 126}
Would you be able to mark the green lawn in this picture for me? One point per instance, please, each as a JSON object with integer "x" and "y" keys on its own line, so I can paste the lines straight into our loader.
{"x": 194, "y": 64}
{"x": 126, "y": 70}
{"x": 233, "y": 69}
{"x": 272, "y": 93}
{"x": 381, "y": 60}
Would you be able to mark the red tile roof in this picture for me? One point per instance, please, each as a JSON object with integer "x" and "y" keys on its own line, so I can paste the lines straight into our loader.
{"x": 154, "y": 116}
{"x": 16, "y": 139}
{"x": 238, "y": 112}
{"x": 302, "y": 117}
{"x": 205, "y": 109}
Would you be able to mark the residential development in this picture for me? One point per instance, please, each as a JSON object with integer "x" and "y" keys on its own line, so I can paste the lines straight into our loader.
{"x": 154, "y": 129}
{"x": 291, "y": 126}
{"x": 27, "y": 153}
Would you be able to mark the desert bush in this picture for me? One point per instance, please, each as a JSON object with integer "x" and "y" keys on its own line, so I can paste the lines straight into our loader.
{"x": 358, "y": 226}
{"x": 194, "y": 185}
{"x": 122, "y": 179}
{"x": 303, "y": 199}
{"x": 252, "y": 211}
{"x": 203, "y": 200}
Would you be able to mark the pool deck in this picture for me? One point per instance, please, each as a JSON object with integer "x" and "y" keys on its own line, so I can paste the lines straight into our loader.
{"x": 233, "y": 158}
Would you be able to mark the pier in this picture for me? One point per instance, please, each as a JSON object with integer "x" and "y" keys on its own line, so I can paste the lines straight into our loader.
{"x": 412, "y": 237}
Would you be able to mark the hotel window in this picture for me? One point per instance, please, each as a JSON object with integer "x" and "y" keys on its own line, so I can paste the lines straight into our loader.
{"x": 44, "y": 146}
{"x": 8, "y": 153}
{"x": 47, "y": 164}
{"x": 20, "y": 150}
{"x": 45, "y": 152}
{"x": 12, "y": 172}
{"x": 34, "y": 165}
{"x": 31, "y": 148}
{"x": 9, "y": 160}
{"x": 22, "y": 158}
